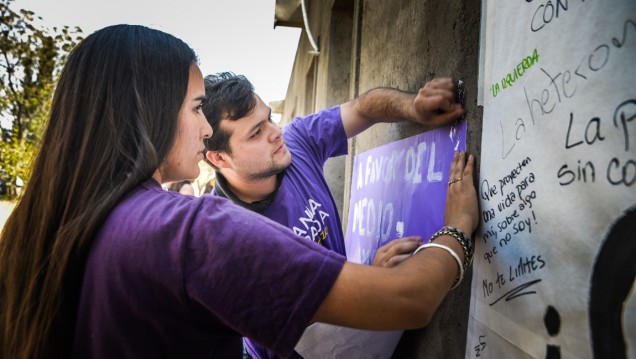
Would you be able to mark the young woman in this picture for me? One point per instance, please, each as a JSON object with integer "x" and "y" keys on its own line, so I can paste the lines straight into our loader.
{"x": 98, "y": 261}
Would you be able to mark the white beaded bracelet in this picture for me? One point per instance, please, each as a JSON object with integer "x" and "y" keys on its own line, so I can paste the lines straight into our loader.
{"x": 452, "y": 253}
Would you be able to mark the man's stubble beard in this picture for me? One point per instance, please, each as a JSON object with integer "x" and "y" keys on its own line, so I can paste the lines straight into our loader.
{"x": 272, "y": 170}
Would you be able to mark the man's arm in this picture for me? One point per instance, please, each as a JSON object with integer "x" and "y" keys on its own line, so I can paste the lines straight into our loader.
{"x": 434, "y": 105}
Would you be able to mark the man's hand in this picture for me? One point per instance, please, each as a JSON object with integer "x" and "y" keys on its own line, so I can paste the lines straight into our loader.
{"x": 396, "y": 251}
{"x": 435, "y": 103}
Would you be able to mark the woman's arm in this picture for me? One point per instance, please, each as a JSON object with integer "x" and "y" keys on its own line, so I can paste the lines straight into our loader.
{"x": 407, "y": 295}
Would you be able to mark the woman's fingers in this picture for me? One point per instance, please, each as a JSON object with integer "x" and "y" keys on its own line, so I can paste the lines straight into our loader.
{"x": 470, "y": 166}
{"x": 396, "y": 251}
{"x": 461, "y": 199}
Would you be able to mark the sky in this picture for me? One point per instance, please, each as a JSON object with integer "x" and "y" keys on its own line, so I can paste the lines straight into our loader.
{"x": 227, "y": 35}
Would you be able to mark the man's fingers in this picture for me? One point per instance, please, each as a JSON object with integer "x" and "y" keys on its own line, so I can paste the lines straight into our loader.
{"x": 441, "y": 82}
{"x": 435, "y": 100}
{"x": 447, "y": 117}
{"x": 435, "y": 103}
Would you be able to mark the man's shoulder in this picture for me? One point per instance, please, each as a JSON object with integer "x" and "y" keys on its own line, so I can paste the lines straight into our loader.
{"x": 307, "y": 125}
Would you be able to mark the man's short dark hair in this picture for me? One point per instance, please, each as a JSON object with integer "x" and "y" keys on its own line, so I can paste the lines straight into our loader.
{"x": 228, "y": 97}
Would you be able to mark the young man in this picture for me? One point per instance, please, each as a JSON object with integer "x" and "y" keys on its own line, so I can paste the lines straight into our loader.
{"x": 279, "y": 173}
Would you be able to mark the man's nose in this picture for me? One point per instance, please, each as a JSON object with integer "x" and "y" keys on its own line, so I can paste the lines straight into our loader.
{"x": 275, "y": 133}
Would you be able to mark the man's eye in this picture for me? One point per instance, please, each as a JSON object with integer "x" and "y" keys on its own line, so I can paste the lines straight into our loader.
{"x": 256, "y": 133}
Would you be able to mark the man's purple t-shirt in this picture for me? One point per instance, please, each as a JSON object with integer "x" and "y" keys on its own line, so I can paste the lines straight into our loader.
{"x": 170, "y": 275}
{"x": 303, "y": 201}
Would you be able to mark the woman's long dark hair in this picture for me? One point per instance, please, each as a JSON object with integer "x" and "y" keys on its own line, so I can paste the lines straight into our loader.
{"x": 112, "y": 122}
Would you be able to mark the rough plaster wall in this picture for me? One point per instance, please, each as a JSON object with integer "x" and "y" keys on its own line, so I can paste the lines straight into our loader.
{"x": 332, "y": 33}
{"x": 295, "y": 89}
{"x": 403, "y": 44}
{"x": 333, "y": 85}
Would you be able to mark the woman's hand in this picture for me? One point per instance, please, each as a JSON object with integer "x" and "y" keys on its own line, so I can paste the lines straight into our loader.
{"x": 461, "y": 199}
{"x": 396, "y": 251}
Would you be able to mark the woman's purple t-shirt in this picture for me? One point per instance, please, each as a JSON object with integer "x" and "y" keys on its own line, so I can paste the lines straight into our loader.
{"x": 170, "y": 275}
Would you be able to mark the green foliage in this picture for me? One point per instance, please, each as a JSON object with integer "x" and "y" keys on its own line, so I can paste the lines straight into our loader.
{"x": 31, "y": 58}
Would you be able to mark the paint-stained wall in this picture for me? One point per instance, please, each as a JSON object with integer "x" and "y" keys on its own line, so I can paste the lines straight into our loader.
{"x": 363, "y": 44}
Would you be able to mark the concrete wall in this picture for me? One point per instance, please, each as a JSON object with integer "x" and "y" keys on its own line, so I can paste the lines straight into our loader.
{"x": 365, "y": 44}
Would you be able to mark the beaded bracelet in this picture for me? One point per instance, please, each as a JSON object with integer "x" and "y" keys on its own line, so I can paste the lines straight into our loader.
{"x": 466, "y": 244}
{"x": 467, "y": 240}
{"x": 459, "y": 278}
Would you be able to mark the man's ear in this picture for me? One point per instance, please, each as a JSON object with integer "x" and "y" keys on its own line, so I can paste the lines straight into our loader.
{"x": 219, "y": 159}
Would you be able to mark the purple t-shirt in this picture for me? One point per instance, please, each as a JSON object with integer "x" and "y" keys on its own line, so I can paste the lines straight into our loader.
{"x": 170, "y": 275}
{"x": 303, "y": 201}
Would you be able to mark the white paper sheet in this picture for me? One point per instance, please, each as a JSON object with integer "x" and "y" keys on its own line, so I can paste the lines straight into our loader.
{"x": 558, "y": 172}
{"x": 346, "y": 343}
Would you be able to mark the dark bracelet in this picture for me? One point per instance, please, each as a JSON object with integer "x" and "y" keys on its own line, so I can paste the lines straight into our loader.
{"x": 467, "y": 240}
{"x": 467, "y": 245}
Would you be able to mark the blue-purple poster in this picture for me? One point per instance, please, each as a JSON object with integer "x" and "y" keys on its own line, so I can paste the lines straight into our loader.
{"x": 399, "y": 190}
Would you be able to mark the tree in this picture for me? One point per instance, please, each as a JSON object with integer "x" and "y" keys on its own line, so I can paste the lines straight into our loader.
{"x": 31, "y": 58}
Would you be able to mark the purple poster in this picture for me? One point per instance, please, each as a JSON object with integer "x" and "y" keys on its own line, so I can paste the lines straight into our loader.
{"x": 399, "y": 190}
